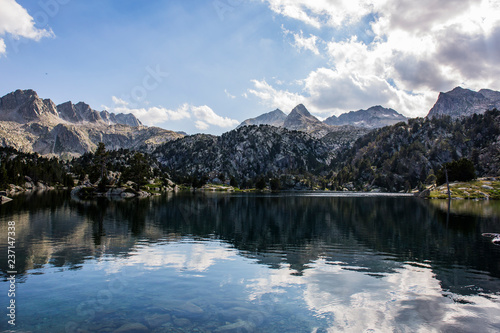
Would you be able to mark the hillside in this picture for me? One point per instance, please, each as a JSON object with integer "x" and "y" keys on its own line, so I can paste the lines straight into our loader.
{"x": 246, "y": 153}
{"x": 405, "y": 156}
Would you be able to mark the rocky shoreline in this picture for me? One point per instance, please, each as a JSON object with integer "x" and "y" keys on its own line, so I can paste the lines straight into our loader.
{"x": 487, "y": 188}
{"x": 480, "y": 189}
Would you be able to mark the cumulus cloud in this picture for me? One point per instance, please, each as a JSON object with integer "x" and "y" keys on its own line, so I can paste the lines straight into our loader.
{"x": 417, "y": 49}
{"x": 16, "y": 22}
{"x": 154, "y": 115}
{"x": 275, "y": 98}
{"x": 204, "y": 116}
{"x": 304, "y": 43}
{"x": 345, "y": 90}
{"x": 119, "y": 101}
{"x": 207, "y": 116}
{"x": 322, "y": 12}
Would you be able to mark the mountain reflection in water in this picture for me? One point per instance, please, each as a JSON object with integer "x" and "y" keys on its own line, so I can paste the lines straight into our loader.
{"x": 294, "y": 262}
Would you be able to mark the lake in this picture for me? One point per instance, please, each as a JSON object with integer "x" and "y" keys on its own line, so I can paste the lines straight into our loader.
{"x": 292, "y": 262}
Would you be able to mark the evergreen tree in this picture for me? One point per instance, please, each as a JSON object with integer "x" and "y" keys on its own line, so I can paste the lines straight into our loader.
{"x": 275, "y": 184}
{"x": 233, "y": 182}
{"x": 461, "y": 170}
{"x": 103, "y": 184}
{"x": 139, "y": 170}
{"x": 260, "y": 184}
{"x": 3, "y": 176}
{"x": 99, "y": 160}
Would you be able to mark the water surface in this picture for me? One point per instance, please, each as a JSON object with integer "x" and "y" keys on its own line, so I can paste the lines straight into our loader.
{"x": 252, "y": 263}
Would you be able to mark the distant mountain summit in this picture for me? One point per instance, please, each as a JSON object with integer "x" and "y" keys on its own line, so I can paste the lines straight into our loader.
{"x": 24, "y": 106}
{"x": 81, "y": 112}
{"x": 274, "y": 118}
{"x": 374, "y": 117}
{"x": 31, "y": 124}
{"x": 301, "y": 119}
{"x": 461, "y": 102}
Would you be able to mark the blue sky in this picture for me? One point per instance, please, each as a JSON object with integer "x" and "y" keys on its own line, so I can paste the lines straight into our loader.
{"x": 205, "y": 66}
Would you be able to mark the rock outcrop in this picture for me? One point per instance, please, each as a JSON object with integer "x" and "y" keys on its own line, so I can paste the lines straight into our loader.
{"x": 273, "y": 118}
{"x": 461, "y": 102}
{"x": 374, "y": 117}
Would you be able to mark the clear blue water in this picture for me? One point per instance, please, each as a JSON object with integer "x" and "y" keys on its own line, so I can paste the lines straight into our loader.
{"x": 251, "y": 263}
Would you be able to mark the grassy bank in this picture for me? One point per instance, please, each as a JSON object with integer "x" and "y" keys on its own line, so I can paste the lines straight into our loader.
{"x": 483, "y": 188}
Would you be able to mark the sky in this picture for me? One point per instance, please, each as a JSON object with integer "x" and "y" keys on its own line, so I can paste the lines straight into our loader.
{"x": 204, "y": 66}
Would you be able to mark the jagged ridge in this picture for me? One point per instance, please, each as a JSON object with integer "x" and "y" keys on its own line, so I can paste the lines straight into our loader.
{"x": 31, "y": 124}
{"x": 374, "y": 117}
{"x": 461, "y": 102}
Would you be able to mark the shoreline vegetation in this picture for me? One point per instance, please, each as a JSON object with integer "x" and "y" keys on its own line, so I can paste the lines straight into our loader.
{"x": 487, "y": 188}
{"x": 127, "y": 174}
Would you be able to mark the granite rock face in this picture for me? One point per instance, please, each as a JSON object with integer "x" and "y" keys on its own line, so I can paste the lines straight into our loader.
{"x": 273, "y": 118}
{"x": 461, "y": 102}
{"x": 31, "y": 124}
{"x": 300, "y": 119}
{"x": 24, "y": 106}
{"x": 374, "y": 117}
{"x": 246, "y": 152}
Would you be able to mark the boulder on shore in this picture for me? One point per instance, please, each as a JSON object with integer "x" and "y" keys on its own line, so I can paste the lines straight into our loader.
{"x": 4, "y": 199}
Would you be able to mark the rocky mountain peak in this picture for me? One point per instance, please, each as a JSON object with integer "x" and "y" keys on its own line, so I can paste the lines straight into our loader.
{"x": 461, "y": 102}
{"x": 17, "y": 98}
{"x": 301, "y": 110}
{"x": 32, "y": 124}
{"x": 23, "y": 106}
{"x": 490, "y": 94}
{"x": 81, "y": 111}
{"x": 274, "y": 118}
{"x": 300, "y": 117}
{"x": 374, "y": 117}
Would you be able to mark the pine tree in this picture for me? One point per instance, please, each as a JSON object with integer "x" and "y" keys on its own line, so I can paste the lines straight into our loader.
{"x": 99, "y": 160}
{"x": 3, "y": 177}
{"x": 260, "y": 184}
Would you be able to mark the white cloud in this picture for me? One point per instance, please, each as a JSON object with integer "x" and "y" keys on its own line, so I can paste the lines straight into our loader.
{"x": 418, "y": 49}
{"x": 2, "y": 46}
{"x": 119, "y": 101}
{"x": 228, "y": 94}
{"x": 204, "y": 116}
{"x": 151, "y": 116}
{"x": 327, "y": 91}
{"x": 207, "y": 115}
{"x": 16, "y": 22}
{"x": 274, "y": 98}
{"x": 322, "y": 12}
{"x": 345, "y": 90}
{"x": 201, "y": 125}
{"x": 303, "y": 43}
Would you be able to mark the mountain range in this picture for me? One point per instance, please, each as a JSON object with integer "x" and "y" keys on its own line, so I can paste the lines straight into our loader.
{"x": 31, "y": 124}
{"x": 351, "y": 151}
{"x": 301, "y": 119}
{"x": 374, "y": 117}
